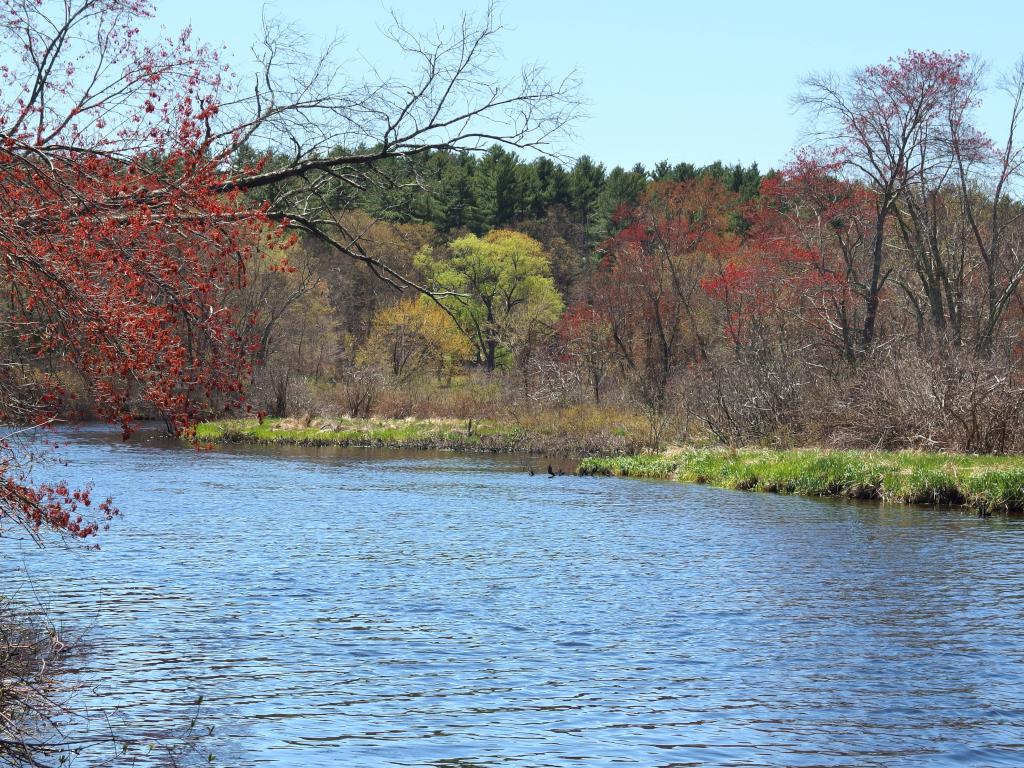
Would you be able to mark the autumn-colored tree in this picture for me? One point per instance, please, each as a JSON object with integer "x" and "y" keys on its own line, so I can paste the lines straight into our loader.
{"x": 119, "y": 253}
{"x": 412, "y": 337}
{"x": 498, "y": 288}
{"x": 648, "y": 287}
{"x": 956, "y": 219}
{"x": 806, "y": 257}
{"x": 585, "y": 339}
{"x": 882, "y": 126}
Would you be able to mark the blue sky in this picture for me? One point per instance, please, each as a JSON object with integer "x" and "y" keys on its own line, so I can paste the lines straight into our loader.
{"x": 693, "y": 81}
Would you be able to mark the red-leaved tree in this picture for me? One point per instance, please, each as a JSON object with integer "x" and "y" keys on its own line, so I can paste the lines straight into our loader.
{"x": 648, "y": 287}
{"x": 117, "y": 254}
{"x": 807, "y": 257}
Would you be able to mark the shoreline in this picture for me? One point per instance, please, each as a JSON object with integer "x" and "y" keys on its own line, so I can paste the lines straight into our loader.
{"x": 979, "y": 483}
{"x": 982, "y": 484}
{"x": 418, "y": 434}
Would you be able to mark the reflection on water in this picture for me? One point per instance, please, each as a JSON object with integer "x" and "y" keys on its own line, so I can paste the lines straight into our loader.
{"x": 355, "y": 608}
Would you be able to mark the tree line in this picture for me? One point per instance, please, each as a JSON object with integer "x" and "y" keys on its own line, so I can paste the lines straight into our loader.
{"x": 867, "y": 294}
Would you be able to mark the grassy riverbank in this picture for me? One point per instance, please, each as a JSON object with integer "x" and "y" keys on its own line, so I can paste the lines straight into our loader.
{"x": 572, "y": 434}
{"x": 988, "y": 484}
{"x": 442, "y": 434}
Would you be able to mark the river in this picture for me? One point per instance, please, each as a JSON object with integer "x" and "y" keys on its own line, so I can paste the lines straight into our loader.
{"x": 352, "y": 608}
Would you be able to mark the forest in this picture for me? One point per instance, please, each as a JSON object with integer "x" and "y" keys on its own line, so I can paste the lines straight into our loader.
{"x": 866, "y": 295}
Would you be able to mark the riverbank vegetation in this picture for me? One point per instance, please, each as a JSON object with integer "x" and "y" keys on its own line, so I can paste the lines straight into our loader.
{"x": 578, "y": 432}
{"x": 987, "y": 484}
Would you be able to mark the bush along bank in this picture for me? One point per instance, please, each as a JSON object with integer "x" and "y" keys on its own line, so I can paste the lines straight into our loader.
{"x": 986, "y": 484}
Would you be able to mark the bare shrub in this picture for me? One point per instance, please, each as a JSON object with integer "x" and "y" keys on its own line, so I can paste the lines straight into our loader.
{"x": 41, "y": 722}
{"x": 557, "y": 380}
{"x": 30, "y": 655}
{"x": 397, "y": 403}
{"x": 755, "y": 397}
{"x": 909, "y": 398}
{"x": 359, "y": 389}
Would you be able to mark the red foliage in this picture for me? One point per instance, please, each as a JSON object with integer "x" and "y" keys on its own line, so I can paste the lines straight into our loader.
{"x": 579, "y": 323}
{"x": 120, "y": 257}
{"x": 888, "y": 116}
{"x": 584, "y": 341}
{"x": 646, "y": 285}
{"x": 802, "y": 256}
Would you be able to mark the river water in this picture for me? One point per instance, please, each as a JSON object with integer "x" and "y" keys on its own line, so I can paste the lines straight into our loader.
{"x": 350, "y": 608}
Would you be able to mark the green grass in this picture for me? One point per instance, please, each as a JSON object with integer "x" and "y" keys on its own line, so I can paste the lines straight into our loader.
{"x": 568, "y": 432}
{"x": 444, "y": 434}
{"x": 987, "y": 484}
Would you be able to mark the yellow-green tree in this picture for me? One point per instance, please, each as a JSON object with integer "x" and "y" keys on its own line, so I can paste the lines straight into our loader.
{"x": 413, "y": 336}
{"x": 493, "y": 284}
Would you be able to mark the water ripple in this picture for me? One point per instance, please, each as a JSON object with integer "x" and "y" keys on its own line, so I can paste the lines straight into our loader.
{"x": 347, "y": 608}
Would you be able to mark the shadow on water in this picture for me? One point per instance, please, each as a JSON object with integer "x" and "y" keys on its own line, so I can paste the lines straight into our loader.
{"x": 357, "y": 607}
{"x": 542, "y": 465}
